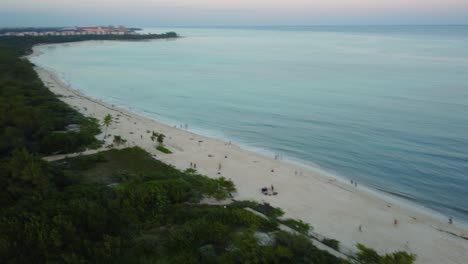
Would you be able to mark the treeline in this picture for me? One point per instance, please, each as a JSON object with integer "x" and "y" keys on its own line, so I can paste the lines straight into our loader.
{"x": 22, "y": 45}
{"x": 31, "y": 117}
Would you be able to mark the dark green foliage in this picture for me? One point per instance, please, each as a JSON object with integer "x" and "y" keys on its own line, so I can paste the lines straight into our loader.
{"x": 159, "y": 137}
{"x": 23, "y": 175}
{"x": 118, "y": 140}
{"x": 297, "y": 225}
{"x": 265, "y": 208}
{"x": 370, "y": 256}
{"x": 31, "y": 117}
{"x": 333, "y": 243}
{"x": 288, "y": 248}
{"x": 68, "y": 211}
{"x": 24, "y": 44}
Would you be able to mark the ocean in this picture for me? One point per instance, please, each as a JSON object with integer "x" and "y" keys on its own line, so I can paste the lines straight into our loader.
{"x": 386, "y": 106}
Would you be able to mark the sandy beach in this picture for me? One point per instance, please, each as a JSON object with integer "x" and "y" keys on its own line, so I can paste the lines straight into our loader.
{"x": 333, "y": 207}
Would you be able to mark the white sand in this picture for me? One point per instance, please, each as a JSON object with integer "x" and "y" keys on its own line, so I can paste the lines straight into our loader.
{"x": 335, "y": 209}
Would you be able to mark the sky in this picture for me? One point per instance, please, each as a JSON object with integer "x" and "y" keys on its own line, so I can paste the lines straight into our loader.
{"x": 146, "y": 13}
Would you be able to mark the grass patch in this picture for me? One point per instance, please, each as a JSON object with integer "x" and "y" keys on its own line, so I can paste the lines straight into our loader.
{"x": 118, "y": 165}
{"x": 163, "y": 150}
{"x": 136, "y": 165}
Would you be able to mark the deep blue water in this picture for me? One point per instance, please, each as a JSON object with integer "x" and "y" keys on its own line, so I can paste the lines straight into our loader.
{"x": 386, "y": 106}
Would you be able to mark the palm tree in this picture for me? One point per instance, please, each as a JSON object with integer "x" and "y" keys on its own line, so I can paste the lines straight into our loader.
{"x": 107, "y": 122}
{"x": 160, "y": 139}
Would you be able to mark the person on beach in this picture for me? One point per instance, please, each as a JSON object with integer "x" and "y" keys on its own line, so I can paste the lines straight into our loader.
{"x": 450, "y": 220}
{"x": 272, "y": 188}
{"x": 395, "y": 222}
{"x": 360, "y": 228}
{"x": 194, "y": 165}
{"x": 219, "y": 166}
{"x": 191, "y": 164}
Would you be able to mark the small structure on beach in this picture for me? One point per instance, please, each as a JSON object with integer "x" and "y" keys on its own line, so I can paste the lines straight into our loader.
{"x": 268, "y": 191}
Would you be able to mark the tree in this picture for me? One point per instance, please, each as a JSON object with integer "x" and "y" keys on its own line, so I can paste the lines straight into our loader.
{"x": 160, "y": 138}
{"x": 107, "y": 122}
{"x": 367, "y": 255}
{"x": 119, "y": 140}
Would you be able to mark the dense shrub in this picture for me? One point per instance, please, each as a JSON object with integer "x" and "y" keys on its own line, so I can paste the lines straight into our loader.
{"x": 297, "y": 225}
{"x": 333, "y": 243}
{"x": 369, "y": 256}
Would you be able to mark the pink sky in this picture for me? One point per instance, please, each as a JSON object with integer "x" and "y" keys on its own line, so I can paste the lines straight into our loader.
{"x": 229, "y": 12}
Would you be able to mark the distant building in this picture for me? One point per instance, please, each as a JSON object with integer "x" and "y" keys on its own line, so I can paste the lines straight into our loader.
{"x": 72, "y": 31}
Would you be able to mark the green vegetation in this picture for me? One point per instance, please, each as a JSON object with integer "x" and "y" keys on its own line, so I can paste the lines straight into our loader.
{"x": 22, "y": 45}
{"x": 369, "y": 256}
{"x": 297, "y": 225}
{"x": 159, "y": 137}
{"x": 107, "y": 122}
{"x": 333, "y": 243}
{"x": 163, "y": 149}
{"x": 118, "y": 206}
{"x": 123, "y": 206}
{"x": 266, "y": 209}
{"x": 118, "y": 140}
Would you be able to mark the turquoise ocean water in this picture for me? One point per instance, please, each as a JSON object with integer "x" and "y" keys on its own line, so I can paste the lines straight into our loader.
{"x": 386, "y": 106}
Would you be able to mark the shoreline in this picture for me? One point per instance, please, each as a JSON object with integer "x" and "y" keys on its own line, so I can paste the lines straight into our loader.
{"x": 302, "y": 196}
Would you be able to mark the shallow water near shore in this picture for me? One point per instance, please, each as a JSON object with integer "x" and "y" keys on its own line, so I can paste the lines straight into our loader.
{"x": 385, "y": 107}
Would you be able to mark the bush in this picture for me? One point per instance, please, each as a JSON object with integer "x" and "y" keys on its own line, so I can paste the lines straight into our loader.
{"x": 163, "y": 150}
{"x": 118, "y": 140}
{"x": 370, "y": 256}
{"x": 333, "y": 243}
{"x": 266, "y": 209}
{"x": 297, "y": 225}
